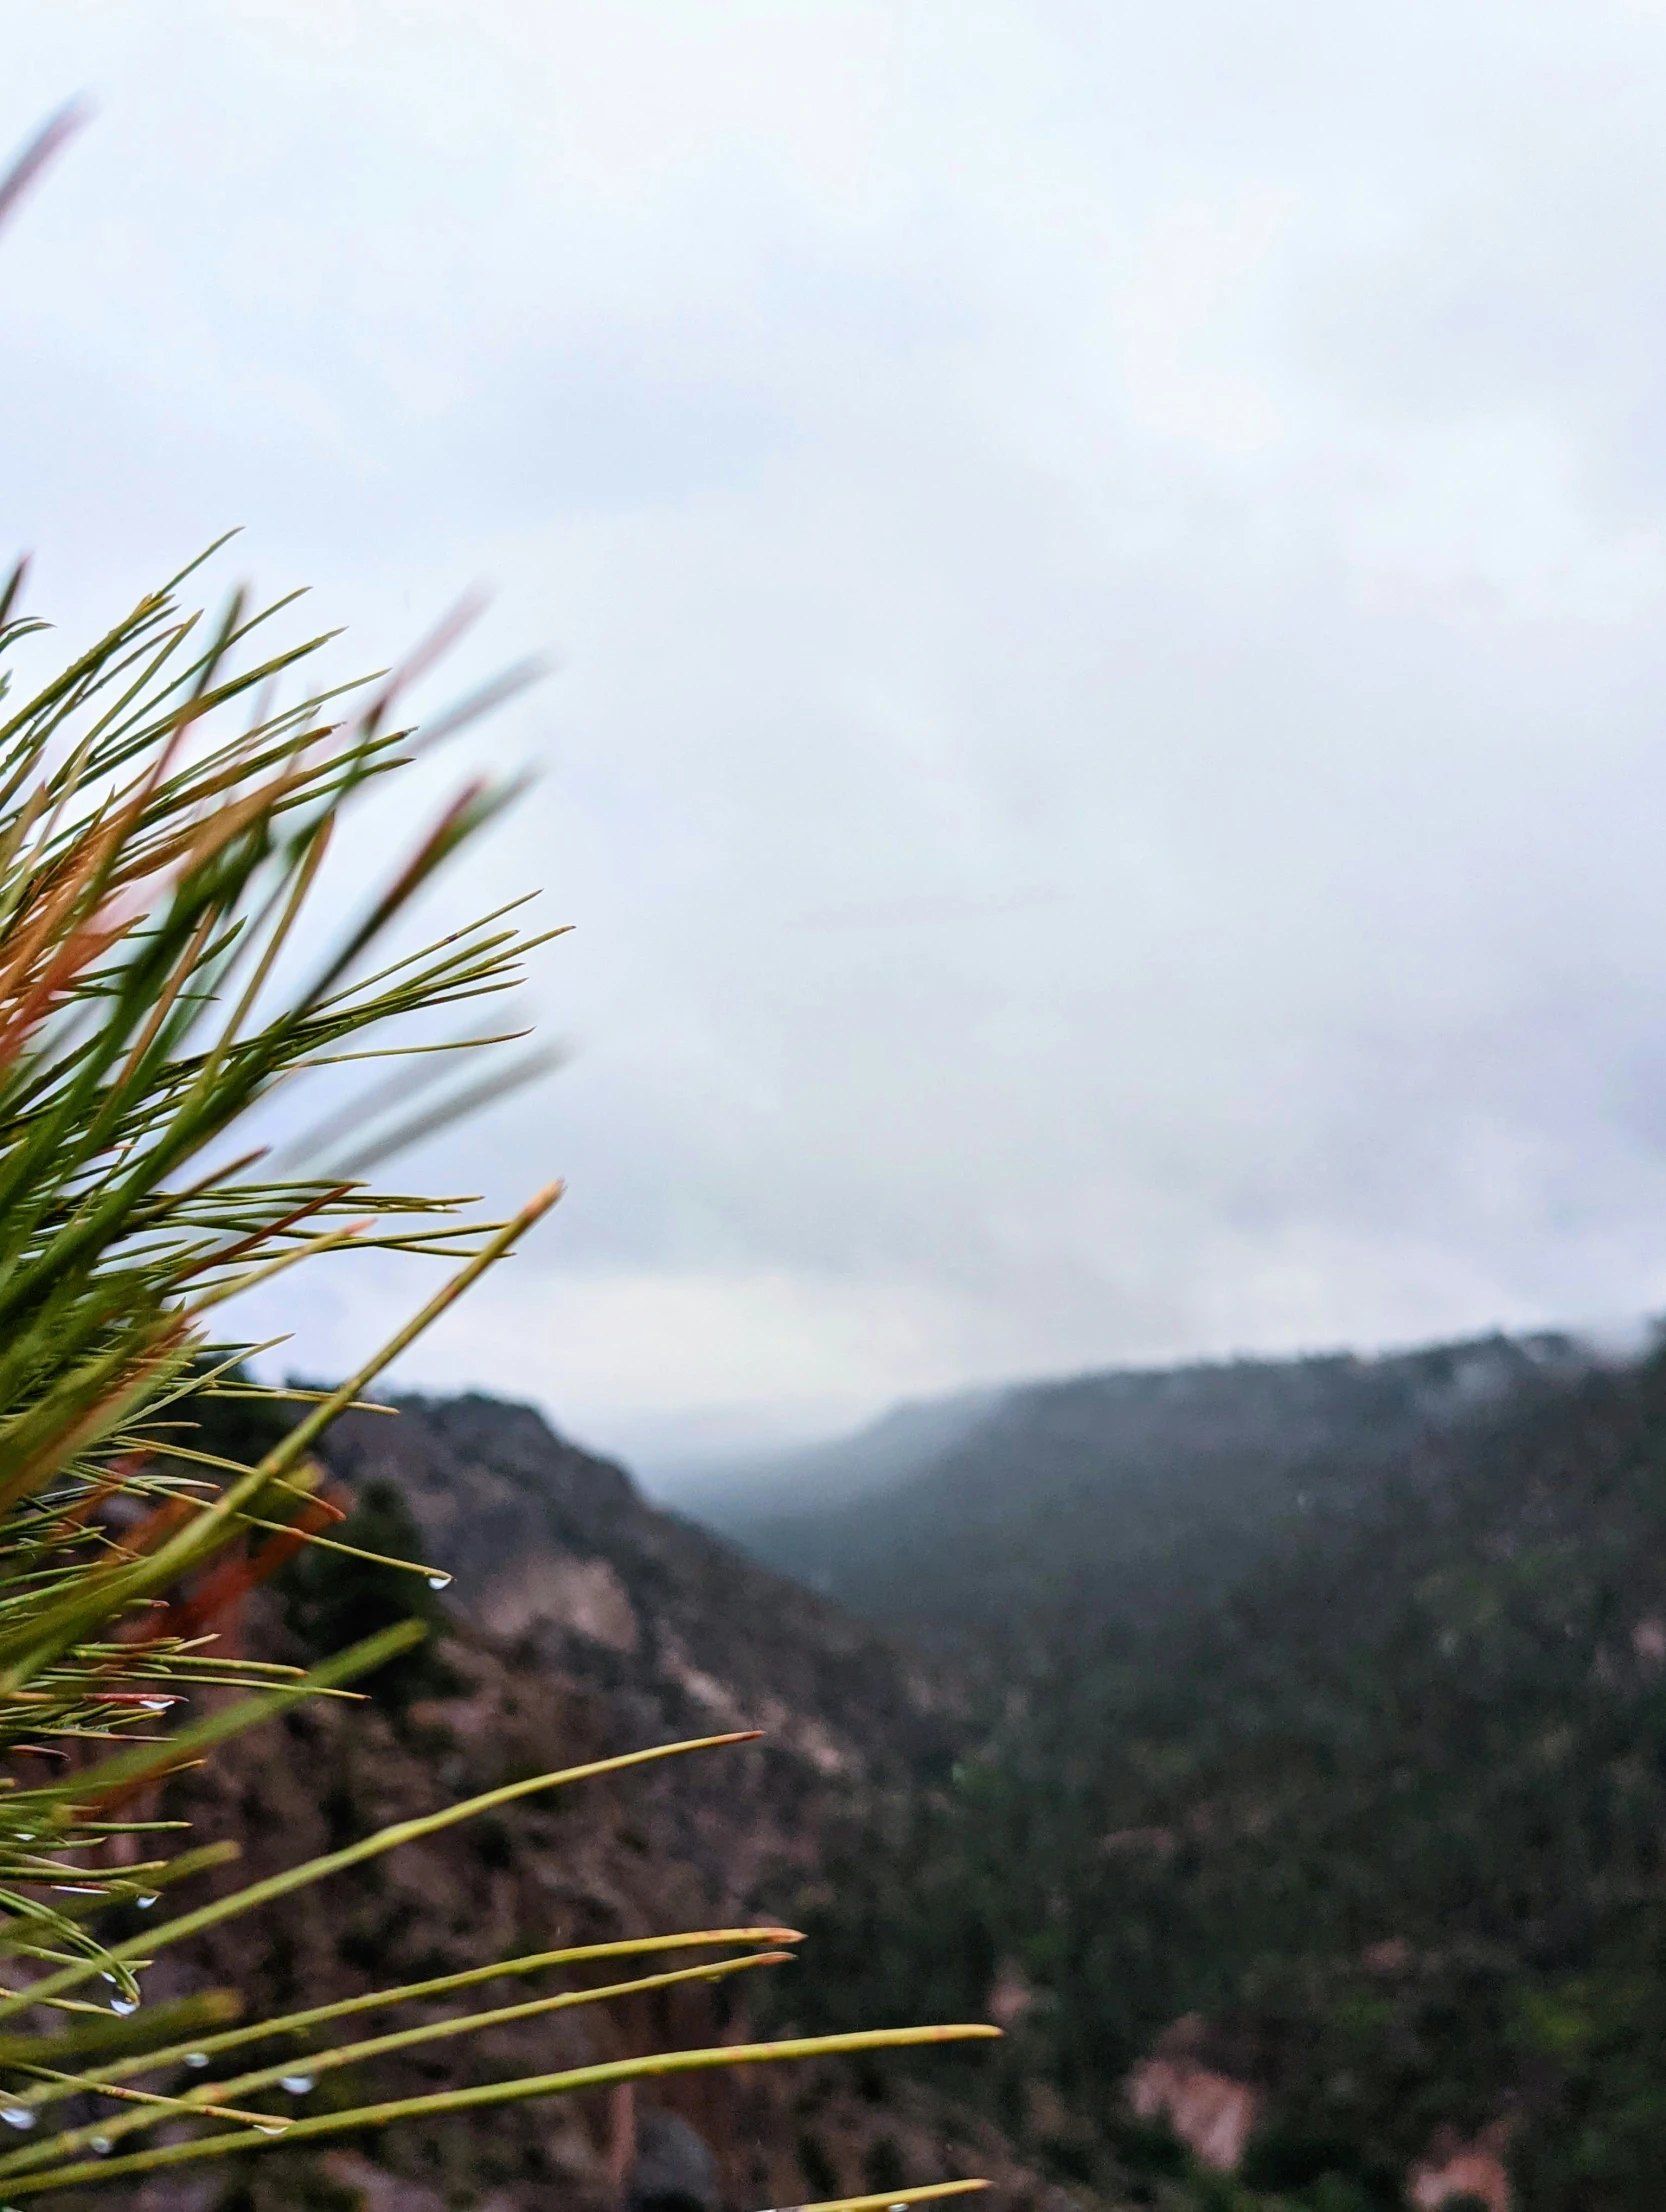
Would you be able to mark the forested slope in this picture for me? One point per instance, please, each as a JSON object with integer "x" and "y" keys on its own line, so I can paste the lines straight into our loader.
{"x": 1110, "y": 1496}
{"x": 1381, "y": 1829}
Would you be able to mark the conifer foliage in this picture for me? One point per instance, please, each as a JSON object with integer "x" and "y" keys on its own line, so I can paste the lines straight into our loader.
{"x": 165, "y": 823}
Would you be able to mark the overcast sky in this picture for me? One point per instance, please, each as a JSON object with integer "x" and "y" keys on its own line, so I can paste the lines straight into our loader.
{"x": 1106, "y": 566}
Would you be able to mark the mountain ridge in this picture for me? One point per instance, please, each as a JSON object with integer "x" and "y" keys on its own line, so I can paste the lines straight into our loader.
{"x": 1092, "y": 1489}
{"x": 1364, "y": 1854}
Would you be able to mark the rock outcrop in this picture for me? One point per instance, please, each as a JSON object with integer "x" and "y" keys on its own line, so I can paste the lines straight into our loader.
{"x": 583, "y": 1622}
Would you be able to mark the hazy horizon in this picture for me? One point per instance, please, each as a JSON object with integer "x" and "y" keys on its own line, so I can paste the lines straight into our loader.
{"x": 1104, "y": 576}
{"x": 685, "y": 1463}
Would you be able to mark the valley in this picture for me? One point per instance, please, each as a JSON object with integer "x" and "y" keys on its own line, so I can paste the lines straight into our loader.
{"x": 1274, "y": 1750}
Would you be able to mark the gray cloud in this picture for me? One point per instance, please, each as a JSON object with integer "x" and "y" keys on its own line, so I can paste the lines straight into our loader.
{"x": 1107, "y": 567}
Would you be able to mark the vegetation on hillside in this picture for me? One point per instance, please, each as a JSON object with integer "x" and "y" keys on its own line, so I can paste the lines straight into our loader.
{"x": 1108, "y": 1497}
{"x": 1390, "y": 1819}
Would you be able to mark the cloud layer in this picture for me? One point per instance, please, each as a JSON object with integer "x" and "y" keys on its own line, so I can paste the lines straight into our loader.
{"x": 1107, "y": 566}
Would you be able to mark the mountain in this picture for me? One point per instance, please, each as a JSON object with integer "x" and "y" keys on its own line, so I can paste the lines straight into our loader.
{"x": 581, "y": 1622}
{"x": 1352, "y": 1880}
{"x": 1107, "y": 1496}
{"x": 1287, "y": 1781}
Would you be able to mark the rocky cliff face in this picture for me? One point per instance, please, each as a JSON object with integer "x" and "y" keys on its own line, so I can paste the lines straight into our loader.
{"x": 584, "y": 1622}
{"x": 551, "y": 1546}
{"x": 558, "y": 1560}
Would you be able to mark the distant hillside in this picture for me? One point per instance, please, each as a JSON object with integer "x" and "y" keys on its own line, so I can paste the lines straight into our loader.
{"x": 1107, "y": 1495}
{"x": 1357, "y": 1876}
